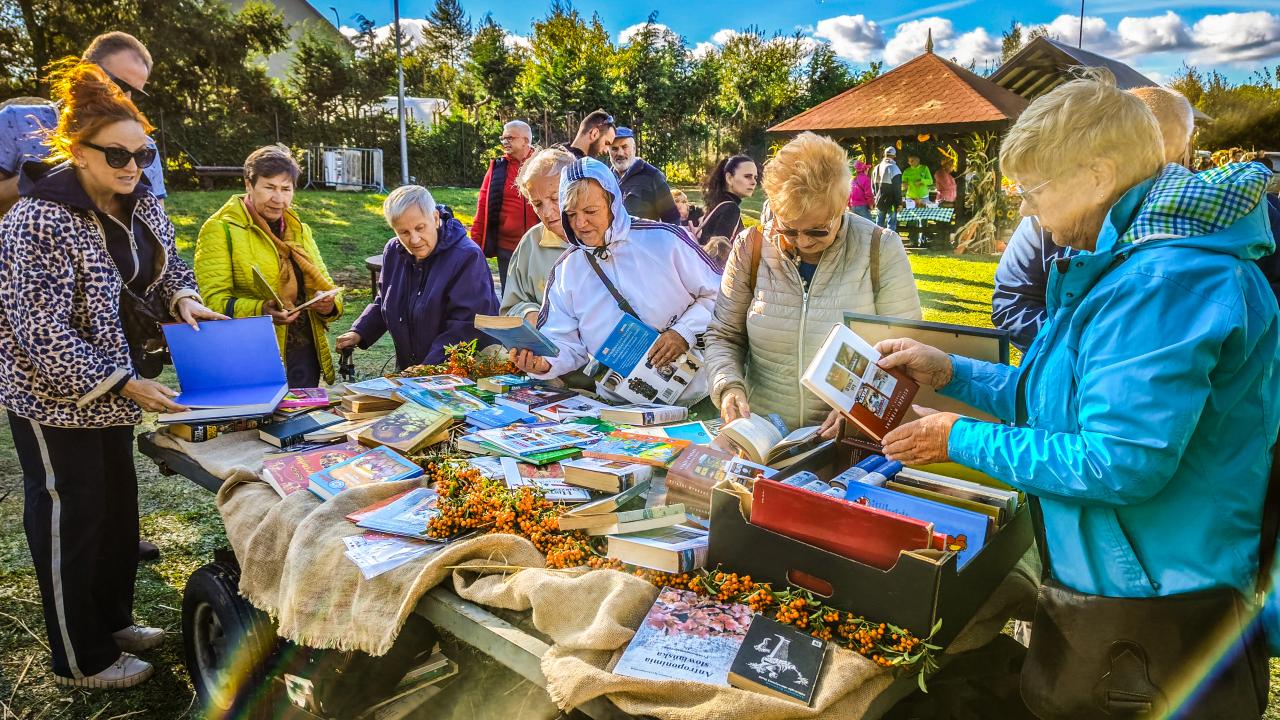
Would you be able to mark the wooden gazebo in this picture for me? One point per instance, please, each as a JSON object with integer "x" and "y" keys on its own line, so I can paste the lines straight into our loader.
{"x": 926, "y": 95}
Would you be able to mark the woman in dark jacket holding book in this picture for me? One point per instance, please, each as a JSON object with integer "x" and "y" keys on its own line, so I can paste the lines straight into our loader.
{"x": 84, "y": 232}
{"x": 434, "y": 282}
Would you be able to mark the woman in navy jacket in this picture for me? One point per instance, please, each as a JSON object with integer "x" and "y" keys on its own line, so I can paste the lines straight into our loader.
{"x": 434, "y": 282}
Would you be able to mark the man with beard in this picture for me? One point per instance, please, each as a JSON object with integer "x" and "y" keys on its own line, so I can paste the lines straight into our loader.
{"x": 595, "y": 132}
{"x": 645, "y": 192}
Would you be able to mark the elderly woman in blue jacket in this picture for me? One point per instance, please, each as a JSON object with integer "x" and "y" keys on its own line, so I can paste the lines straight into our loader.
{"x": 1142, "y": 418}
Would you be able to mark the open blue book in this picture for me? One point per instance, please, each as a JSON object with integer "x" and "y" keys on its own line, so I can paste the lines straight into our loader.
{"x": 228, "y": 369}
{"x": 514, "y": 332}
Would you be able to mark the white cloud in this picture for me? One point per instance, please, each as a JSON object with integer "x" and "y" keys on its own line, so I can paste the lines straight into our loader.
{"x": 513, "y": 41}
{"x": 411, "y": 28}
{"x": 703, "y": 49}
{"x": 930, "y": 10}
{"x": 1154, "y": 34}
{"x": 853, "y": 37}
{"x": 625, "y": 35}
{"x": 908, "y": 41}
{"x": 1098, "y": 37}
{"x": 724, "y": 35}
{"x": 1237, "y": 37}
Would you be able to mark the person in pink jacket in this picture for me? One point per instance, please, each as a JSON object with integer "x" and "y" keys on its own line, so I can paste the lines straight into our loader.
{"x": 860, "y": 196}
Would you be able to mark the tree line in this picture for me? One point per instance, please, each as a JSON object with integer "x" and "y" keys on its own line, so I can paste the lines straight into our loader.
{"x": 213, "y": 102}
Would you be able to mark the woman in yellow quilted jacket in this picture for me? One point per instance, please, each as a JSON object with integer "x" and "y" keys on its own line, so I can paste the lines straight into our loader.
{"x": 258, "y": 231}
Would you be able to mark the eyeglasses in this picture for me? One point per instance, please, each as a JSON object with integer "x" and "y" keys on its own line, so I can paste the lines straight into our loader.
{"x": 119, "y": 157}
{"x": 792, "y": 234}
{"x": 125, "y": 87}
{"x": 1024, "y": 194}
{"x": 509, "y": 138}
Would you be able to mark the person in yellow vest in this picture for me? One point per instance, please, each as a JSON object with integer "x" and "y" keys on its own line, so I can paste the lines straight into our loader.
{"x": 260, "y": 230}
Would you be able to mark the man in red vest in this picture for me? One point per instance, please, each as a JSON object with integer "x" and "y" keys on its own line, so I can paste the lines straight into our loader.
{"x": 502, "y": 214}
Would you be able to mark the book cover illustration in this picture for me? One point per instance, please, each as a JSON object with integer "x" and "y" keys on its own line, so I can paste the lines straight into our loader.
{"x": 503, "y": 383}
{"x": 305, "y": 398}
{"x": 548, "y": 478}
{"x": 496, "y": 416}
{"x": 408, "y": 515}
{"x": 406, "y": 427}
{"x": 628, "y": 373}
{"x": 778, "y": 659}
{"x": 290, "y": 473}
{"x": 659, "y": 452}
{"x": 437, "y": 382}
{"x": 531, "y": 398}
{"x": 379, "y": 387}
{"x": 686, "y": 636}
{"x": 571, "y": 409}
{"x": 377, "y": 465}
{"x": 529, "y": 439}
{"x": 845, "y": 375}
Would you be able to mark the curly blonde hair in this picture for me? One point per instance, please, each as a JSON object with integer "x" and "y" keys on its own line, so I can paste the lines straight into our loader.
{"x": 1081, "y": 120}
{"x": 808, "y": 175}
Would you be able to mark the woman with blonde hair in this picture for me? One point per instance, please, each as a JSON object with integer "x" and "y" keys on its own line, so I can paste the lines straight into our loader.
{"x": 88, "y": 270}
{"x": 786, "y": 285}
{"x": 1141, "y": 422}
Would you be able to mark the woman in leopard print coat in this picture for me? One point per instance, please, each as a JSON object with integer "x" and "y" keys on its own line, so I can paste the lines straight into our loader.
{"x": 82, "y": 232}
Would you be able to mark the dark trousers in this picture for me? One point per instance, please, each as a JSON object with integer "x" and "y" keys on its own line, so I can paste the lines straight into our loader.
{"x": 81, "y": 520}
{"x": 504, "y": 261}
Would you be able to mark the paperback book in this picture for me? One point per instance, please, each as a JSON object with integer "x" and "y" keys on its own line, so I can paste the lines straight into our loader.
{"x": 548, "y": 478}
{"x": 380, "y": 464}
{"x": 523, "y": 440}
{"x": 515, "y": 332}
{"x": 531, "y": 398}
{"x": 778, "y": 660}
{"x": 762, "y": 442}
{"x": 298, "y": 398}
{"x": 379, "y": 387}
{"x": 408, "y": 515}
{"x": 375, "y": 553}
{"x": 291, "y": 472}
{"x": 503, "y": 383}
{"x": 686, "y": 636}
{"x": 456, "y": 404}
{"x": 629, "y": 521}
{"x": 695, "y": 432}
{"x": 644, "y": 414}
{"x": 844, "y": 374}
{"x": 631, "y": 376}
{"x": 571, "y": 409}
{"x": 498, "y": 416}
{"x": 600, "y": 511}
{"x": 437, "y": 382}
{"x": 628, "y": 447}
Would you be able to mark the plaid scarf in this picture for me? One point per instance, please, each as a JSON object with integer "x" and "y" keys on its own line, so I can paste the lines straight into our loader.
{"x": 1185, "y": 204}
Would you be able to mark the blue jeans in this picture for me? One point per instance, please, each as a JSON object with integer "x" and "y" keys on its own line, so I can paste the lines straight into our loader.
{"x": 862, "y": 211}
{"x": 887, "y": 218}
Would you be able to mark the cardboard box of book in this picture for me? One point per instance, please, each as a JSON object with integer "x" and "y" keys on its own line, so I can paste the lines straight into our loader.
{"x": 917, "y": 591}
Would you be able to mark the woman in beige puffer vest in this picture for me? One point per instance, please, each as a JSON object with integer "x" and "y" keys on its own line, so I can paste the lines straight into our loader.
{"x": 761, "y": 339}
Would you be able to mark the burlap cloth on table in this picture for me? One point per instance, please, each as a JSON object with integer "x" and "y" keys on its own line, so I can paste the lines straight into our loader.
{"x": 293, "y": 566}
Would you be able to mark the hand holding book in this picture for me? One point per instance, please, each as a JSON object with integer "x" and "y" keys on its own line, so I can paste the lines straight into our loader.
{"x": 925, "y": 364}
{"x": 526, "y": 362}
{"x": 923, "y": 441}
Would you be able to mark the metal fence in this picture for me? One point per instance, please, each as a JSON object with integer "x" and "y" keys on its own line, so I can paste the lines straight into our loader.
{"x": 345, "y": 168}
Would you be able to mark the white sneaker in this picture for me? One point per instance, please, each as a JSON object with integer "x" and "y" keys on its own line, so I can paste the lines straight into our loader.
{"x": 136, "y": 638}
{"x": 125, "y": 672}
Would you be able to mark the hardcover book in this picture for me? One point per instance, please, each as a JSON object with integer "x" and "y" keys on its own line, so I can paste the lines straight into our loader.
{"x": 845, "y": 375}
{"x": 380, "y": 464}
{"x": 407, "y": 516}
{"x": 629, "y": 374}
{"x": 686, "y": 636}
{"x": 291, "y": 472}
{"x": 531, "y": 398}
{"x": 629, "y": 521}
{"x": 407, "y": 428}
{"x": 605, "y": 475}
{"x": 571, "y": 409}
{"x": 966, "y": 530}
{"x": 644, "y": 414}
{"x": 674, "y": 549}
{"x": 360, "y": 403}
{"x": 633, "y": 498}
{"x": 305, "y": 398}
{"x": 201, "y": 432}
{"x": 456, "y": 404}
{"x": 692, "y": 476}
{"x": 628, "y": 447}
{"x": 227, "y": 369}
{"x": 497, "y": 416}
{"x": 778, "y": 660}
{"x": 284, "y": 433}
{"x": 515, "y": 332}
{"x": 549, "y": 478}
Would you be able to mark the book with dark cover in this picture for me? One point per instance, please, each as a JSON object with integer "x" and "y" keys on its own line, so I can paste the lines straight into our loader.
{"x": 284, "y": 433}
{"x": 845, "y": 374}
{"x": 693, "y": 474}
{"x": 201, "y": 432}
{"x": 778, "y": 660}
{"x": 529, "y": 399}
{"x": 407, "y": 428}
{"x": 515, "y": 332}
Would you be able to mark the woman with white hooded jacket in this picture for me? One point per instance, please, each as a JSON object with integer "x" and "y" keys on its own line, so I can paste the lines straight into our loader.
{"x": 657, "y": 268}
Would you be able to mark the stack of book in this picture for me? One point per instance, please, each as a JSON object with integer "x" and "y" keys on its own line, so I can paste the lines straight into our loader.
{"x": 539, "y": 444}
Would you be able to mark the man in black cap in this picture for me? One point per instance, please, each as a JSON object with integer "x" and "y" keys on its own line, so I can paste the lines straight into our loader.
{"x": 644, "y": 188}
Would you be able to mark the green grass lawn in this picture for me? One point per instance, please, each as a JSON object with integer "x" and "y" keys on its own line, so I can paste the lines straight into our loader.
{"x": 181, "y": 518}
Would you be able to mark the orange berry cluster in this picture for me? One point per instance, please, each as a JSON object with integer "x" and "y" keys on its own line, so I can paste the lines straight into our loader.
{"x": 470, "y": 501}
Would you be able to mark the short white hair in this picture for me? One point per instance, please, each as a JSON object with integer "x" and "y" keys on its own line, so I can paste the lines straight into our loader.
{"x": 404, "y": 197}
{"x": 520, "y": 125}
{"x": 547, "y": 163}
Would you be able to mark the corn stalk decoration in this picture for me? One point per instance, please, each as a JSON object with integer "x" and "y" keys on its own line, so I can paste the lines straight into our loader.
{"x": 986, "y": 198}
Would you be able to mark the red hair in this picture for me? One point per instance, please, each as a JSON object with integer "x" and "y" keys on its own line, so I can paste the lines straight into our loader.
{"x": 89, "y": 100}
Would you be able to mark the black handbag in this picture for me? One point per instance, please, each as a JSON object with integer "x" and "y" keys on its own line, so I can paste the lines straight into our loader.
{"x": 141, "y": 318}
{"x": 1197, "y": 654}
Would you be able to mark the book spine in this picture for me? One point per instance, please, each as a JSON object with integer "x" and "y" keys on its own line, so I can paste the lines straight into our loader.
{"x": 695, "y": 495}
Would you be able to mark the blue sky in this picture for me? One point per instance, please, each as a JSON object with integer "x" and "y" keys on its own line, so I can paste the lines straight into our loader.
{"x": 1233, "y": 37}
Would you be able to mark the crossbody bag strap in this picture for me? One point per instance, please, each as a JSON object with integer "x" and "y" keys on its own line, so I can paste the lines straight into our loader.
{"x": 608, "y": 284}
{"x": 755, "y": 243}
{"x": 876, "y": 236}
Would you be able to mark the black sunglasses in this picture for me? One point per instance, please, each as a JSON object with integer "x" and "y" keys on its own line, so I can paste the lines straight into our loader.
{"x": 792, "y": 234}
{"x": 125, "y": 87}
{"x": 119, "y": 157}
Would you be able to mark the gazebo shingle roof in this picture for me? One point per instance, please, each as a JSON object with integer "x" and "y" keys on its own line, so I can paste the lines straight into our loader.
{"x": 927, "y": 94}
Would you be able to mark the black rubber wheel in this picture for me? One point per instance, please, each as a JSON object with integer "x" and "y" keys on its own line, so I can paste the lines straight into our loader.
{"x": 226, "y": 642}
